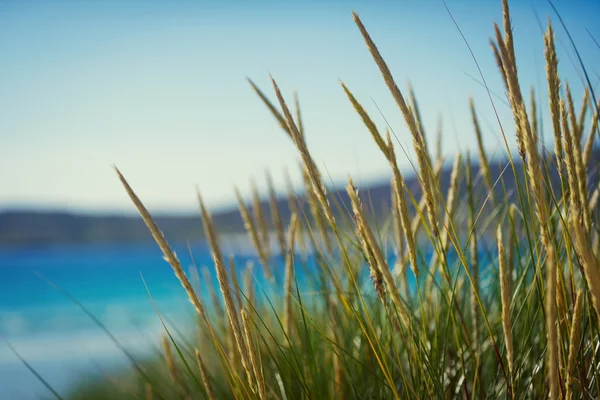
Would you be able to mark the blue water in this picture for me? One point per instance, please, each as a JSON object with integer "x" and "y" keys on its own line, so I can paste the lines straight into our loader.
{"x": 56, "y": 336}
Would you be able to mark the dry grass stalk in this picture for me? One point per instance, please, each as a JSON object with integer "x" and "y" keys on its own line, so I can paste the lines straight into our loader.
{"x": 551, "y": 327}
{"x": 591, "y": 267}
{"x": 376, "y": 274}
{"x": 524, "y": 133}
{"x": 401, "y": 264}
{"x": 594, "y": 199}
{"x": 149, "y": 395}
{"x": 371, "y": 245}
{"x": 483, "y": 159}
{"x": 574, "y": 339}
{"x": 169, "y": 255}
{"x": 275, "y": 216}
{"x": 417, "y": 112}
{"x": 271, "y": 107}
{"x": 451, "y": 200}
{"x": 498, "y": 59}
{"x": 260, "y": 220}
{"x": 409, "y": 117}
{"x": 450, "y": 209}
{"x": 249, "y": 288}
{"x": 211, "y": 289}
{"x": 416, "y": 221}
{"x": 230, "y": 310}
{"x": 574, "y": 198}
{"x": 474, "y": 255}
{"x": 387, "y": 149}
{"x": 254, "y": 235}
{"x": 367, "y": 121}
{"x": 298, "y": 114}
{"x": 172, "y": 367}
{"x": 582, "y": 113}
{"x": 313, "y": 204}
{"x": 399, "y": 188}
{"x": 313, "y": 172}
{"x": 293, "y": 206}
{"x": 505, "y": 300}
{"x": 589, "y": 143}
{"x": 289, "y": 270}
{"x": 256, "y": 367}
{"x": 553, "y": 80}
{"x": 234, "y": 280}
{"x": 399, "y": 200}
{"x": 337, "y": 388}
{"x": 580, "y": 170}
{"x": 534, "y": 117}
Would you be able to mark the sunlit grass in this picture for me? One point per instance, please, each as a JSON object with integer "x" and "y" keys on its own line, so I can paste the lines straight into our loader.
{"x": 491, "y": 290}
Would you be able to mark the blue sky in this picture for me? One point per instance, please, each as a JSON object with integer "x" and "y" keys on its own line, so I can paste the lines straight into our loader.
{"x": 158, "y": 88}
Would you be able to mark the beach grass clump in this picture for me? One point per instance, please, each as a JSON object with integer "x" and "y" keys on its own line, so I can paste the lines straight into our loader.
{"x": 493, "y": 290}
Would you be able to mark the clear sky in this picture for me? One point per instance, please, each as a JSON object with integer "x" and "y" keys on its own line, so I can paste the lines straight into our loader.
{"x": 158, "y": 88}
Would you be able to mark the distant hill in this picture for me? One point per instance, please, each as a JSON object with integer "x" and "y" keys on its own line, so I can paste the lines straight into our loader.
{"x": 27, "y": 227}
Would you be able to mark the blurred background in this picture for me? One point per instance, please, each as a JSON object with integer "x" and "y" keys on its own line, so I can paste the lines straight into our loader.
{"x": 160, "y": 90}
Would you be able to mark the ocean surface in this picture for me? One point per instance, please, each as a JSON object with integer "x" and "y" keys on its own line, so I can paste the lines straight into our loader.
{"x": 43, "y": 323}
{"x": 57, "y": 338}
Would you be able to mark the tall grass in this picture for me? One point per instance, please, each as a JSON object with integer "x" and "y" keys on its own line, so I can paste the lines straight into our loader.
{"x": 497, "y": 295}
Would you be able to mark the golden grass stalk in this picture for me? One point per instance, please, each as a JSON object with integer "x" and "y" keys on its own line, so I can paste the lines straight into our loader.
{"x": 256, "y": 367}
{"x": 474, "y": 259}
{"x": 396, "y": 223}
{"x": 589, "y": 143}
{"x": 438, "y": 145}
{"x": 169, "y": 255}
{"x": 417, "y": 112}
{"x": 293, "y": 206}
{"x": 313, "y": 172}
{"x": 574, "y": 338}
{"x": 580, "y": 170}
{"x": 172, "y": 367}
{"x": 505, "y": 300}
{"x": 249, "y": 289}
{"x": 399, "y": 188}
{"x": 289, "y": 270}
{"x": 230, "y": 310}
{"x": 298, "y": 114}
{"x": 401, "y": 262}
{"x": 254, "y": 235}
{"x": 417, "y": 220}
{"x": 337, "y": 388}
{"x": 271, "y": 107}
{"x": 451, "y": 201}
{"x": 259, "y": 218}
{"x": 591, "y": 267}
{"x": 371, "y": 245}
{"x": 534, "y": 117}
{"x": 275, "y": 216}
{"x": 211, "y": 289}
{"x": 148, "y": 391}
{"x": 524, "y": 133}
{"x": 450, "y": 209}
{"x": 573, "y": 177}
{"x": 582, "y": 113}
{"x": 553, "y": 80}
{"x": 376, "y": 274}
{"x": 483, "y": 159}
{"x": 551, "y": 320}
{"x": 234, "y": 280}
{"x": 409, "y": 117}
{"x": 594, "y": 199}
{"x": 387, "y": 149}
{"x": 313, "y": 203}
